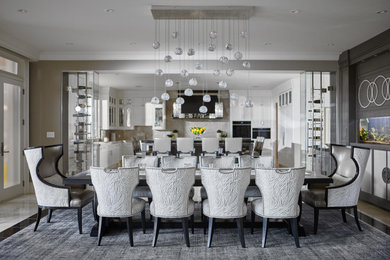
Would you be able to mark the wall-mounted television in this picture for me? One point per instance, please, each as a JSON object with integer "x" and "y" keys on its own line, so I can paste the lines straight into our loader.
{"x": 193, "y": 103}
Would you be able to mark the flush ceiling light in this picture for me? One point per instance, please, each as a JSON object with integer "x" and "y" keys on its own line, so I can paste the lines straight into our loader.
{"x": 294, "y": 11}
{"x": 109, "y": 10}
{"x": 22, "y": 11}
{"x": 381, "y": 12}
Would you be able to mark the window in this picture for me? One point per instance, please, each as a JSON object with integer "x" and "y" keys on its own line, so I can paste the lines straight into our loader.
{"x": 8, "y": 65}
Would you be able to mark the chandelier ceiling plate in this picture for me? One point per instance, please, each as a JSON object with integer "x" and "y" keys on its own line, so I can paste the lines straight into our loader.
{"x": 201, "y": 12}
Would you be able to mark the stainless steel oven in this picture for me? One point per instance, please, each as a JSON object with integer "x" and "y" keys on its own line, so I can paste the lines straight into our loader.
{"x": 242, "y": 129}
{"x": 261, "y": 132}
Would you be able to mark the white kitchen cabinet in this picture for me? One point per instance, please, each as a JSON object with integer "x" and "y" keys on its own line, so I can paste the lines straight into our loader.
{"x": 155, "y": 116}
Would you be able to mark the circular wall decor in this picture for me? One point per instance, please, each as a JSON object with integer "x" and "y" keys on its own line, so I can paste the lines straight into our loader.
{"x": 372, "y": 89}
{"x": 386, "y": 175}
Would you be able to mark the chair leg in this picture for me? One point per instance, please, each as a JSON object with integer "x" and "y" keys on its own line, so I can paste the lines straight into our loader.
{"x": 316, "y": 215}
{"x": 253, "y": 216}
{"x": 294, "y": 227}
{"x": 129, "y": 224}
{"x": 344, "y": 216}
{"x": 240, "y": 226}
{"x": 94, "y": 207}
{"x": 39, "y": 214}
{"x": 204, "y": 220}
{"x": 100, "y": 230}
{"x": 355, "y": 212}
{"x": 192, "y": 224}
{"x": 265, "y": 230}
{"x": 156, "y": 230}
{"x": 143, "y": 221}
{"x": 150, "y": 201}
{"x": 211, "y": 231}
{"x": 49, "y": 215}
{"x": 80, "y": 219}
{"x": 184, "y": 222}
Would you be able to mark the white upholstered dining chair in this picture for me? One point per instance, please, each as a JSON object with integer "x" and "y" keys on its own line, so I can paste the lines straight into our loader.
{"x": 162, "y": 145}
{"x": 50, "y": 192}
{"x": 225, "y": 190}
{"x": 347, "y": 178}
{"x": 280, "y": 189}
{"x": 114, "y": 190}
{"x": 185, "y": 145}
{"x": 233, "y": 145}
{"x": 210, "y": 145}
{"x": 174, "y": 162}
{"x": 171, "y": 189}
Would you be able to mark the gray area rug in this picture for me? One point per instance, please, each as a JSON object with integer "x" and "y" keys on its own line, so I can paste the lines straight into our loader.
{"x": 61, "y": 240}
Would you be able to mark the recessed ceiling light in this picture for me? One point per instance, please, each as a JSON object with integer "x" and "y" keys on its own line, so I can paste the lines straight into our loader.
{"x": 138, "y": 86}
{"x": 69, "y": 43}
{"x": 331, "y": 44}
{"x": 267, "y": 43}
{"x": 22, "y": 11}
{"x": 294, "y": 11}
{"x": 381, "y": 12}
{"x": 132, "y": 43}
{"x": 109, "y": 10}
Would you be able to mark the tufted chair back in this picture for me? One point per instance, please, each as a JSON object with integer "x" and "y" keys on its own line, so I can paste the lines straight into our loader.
{"x": 114, "y": 189}
{"x": 280, "y": 190}
{"x": 174, "y": 162}
{"x": 129, "y": 161}
{"x": 225, "y": 191}
{"x": 47, "y": 194}
{"x": 257, "y": 162}
{"x": 217, "y": 162}
{"x": 170, "y": 190}
{"x": 233, "y": 145}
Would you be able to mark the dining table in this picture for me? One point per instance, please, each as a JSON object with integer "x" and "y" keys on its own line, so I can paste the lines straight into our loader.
{"x": 84, "y": 178}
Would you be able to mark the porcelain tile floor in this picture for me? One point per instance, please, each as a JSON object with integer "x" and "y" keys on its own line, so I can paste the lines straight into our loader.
{"x": 16, "y": 210}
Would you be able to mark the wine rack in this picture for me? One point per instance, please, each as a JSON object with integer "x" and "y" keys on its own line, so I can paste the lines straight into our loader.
{"x": 317, "y": 99}
{"x": 80, "y": 92}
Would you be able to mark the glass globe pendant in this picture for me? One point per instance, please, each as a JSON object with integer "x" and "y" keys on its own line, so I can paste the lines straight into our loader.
{"x": 238, "y": 55}
{"x": 244, "y": 34}
{"x": 222, "y": 84}
{"x": 155, "y": 100}
{"x": 213, "y": 34}
{"x": 191, "y": 52}
{"x": 184, "y": 73}
{"x": 169, "y": 83}
{"x": 156, "y": 45}
{"x": 206, "y": 98}
{"x": 178, "y": 51}
{"x": 211, "y": 47}
{"x": 168, "y": 58}
{"x": 228, "y": 46}
{"x": 224, "y": 59}
{"x": 203, "y": 109}
{"x": 193, "y": 82}
{"x": 198, "y": 66}
{"x": 159, "y": 72}
{"x": 248, "y": 103}
{"x": 165, "y": 96}
{"x": 180, "y": 100}
{"x": 174, "y": 35}
{"x": 229, "y": 72}
{"x": 188, "y": 92}
{"x": 246, "y": 64}
{"x": 216, "y": 72}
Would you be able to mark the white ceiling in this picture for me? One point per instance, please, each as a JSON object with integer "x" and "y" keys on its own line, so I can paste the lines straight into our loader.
{"x": 258, "y": 80}
{"x": 74, "y": 29}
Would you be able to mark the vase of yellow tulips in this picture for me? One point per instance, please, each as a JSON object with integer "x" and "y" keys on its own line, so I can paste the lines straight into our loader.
{"x": 197, "y": 131}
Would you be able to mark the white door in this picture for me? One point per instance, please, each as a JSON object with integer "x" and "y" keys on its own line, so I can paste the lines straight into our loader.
{"x": 11, "y": 132}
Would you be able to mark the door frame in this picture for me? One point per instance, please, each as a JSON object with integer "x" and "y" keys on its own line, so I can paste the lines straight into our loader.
{"x": 22, "y": 80}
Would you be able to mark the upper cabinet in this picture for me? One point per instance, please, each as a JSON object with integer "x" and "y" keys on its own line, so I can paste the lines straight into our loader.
{"x": 155, "y": 116}
{"x": 116, "y": 113}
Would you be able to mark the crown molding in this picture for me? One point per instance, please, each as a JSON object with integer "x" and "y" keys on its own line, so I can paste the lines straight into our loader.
{"x": 10, "y": 43}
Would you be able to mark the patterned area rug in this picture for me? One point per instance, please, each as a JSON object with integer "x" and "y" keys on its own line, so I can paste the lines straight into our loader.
{"x": 61, "y": 240}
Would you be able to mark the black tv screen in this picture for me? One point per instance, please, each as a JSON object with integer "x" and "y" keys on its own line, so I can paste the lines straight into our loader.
{"x": 192, "y": 104}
